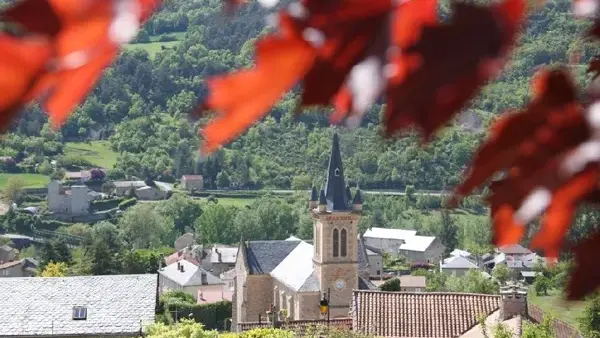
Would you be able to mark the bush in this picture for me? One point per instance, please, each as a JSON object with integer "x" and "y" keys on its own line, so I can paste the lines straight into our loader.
{"x": 541, "y": 285}
{"x": 32, "y": 199}
{"x": 211, "y": 316}
{"x": 391, "y": 285}
{"x": 167, "y": 38}
{"x": 99, "y": 205}
{"x": 127, "y": 203}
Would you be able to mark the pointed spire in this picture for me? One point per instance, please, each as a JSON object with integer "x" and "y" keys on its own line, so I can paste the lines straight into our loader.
{"x": 358, "y": 196}
{"x": 348, "y": 192}
{"x": 314, "y": 196}
{"x": 335, "y": 188}
{"x": 322, "y": 199}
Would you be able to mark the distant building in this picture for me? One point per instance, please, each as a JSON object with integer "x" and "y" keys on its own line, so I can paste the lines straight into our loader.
{"x": 413, "y": 283}
{"x": 75, "y": 201}
{"x": 142, "y": 191}
{"x": 192, "y": 182}
{"x": 222, "y": 259}
{"x": 457, "y": 266}
{"x": 514, "y": 251}
{"x": 82, "y": 306}
{"x": 26, "y": 267}
{"x": 189, "y": 278}
{"x": 78, "y": 176}
{"x": 185, "y": 240}
{"x": 387, "y": 240}
{"x": 422, "y": 249}
{"x": 8, "y": 254}
{"x": 375, "y": 264}
{"x": 18, "y": 241}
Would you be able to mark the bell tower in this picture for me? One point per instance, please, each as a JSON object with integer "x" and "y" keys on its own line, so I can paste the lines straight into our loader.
{"x": 335, "y": 231}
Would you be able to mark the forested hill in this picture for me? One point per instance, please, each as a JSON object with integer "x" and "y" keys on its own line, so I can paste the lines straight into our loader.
{"x": 142, "y": 102}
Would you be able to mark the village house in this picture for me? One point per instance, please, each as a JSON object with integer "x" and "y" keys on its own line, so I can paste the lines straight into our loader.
{"x": 222, "y": 258}
{"x": 375, "y": 260}
{"x": 78, "y": 176}
{"x": 8, "y": 253}
{"x": 184, "y": 241}
{"x": 26, "y": 267}
{"x": 387, "y": 240}
{"x": 515, "y": 251}
{"x": 75, "y": 201}
{"x": 437, "y": 315}
{"x": 457, "y": 266}
{"x": 192, "y": 182}
{"x": 189, "y": 278}
{"x": 422, "y": 249}
{"x": 159, "y": 190}
{"x": 413, "y": 283}
{"x": 82, "y": 306}
{"x": 293, "y": 275}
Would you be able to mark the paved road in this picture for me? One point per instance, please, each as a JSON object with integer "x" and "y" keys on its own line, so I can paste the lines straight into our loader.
{"x": 370, "y": 192}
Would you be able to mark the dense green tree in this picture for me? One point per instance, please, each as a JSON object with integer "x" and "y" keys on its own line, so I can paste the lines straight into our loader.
{"x": 181, "y": 210}
{"x": 589, "y": 323}
{"x": 448, "y": 234}
{"x": 143, "y": 227}
{"x": 392, "y": 284}
{"x": 216, "y": 225}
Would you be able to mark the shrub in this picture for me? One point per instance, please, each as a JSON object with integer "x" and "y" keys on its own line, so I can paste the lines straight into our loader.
{"x": 127, "y": 203}
{"x": 99, "y": 205}
{"x": 541, "y": 285}
{"x": 211, "y": 316}
{"x": 391, "y": 285}
{"x": 167, "y": 38}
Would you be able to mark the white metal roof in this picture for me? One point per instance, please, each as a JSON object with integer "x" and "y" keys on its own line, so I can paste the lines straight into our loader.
{"x": 389, "y": 233}
{"x": 417, "y": 243}
{"x": 296, "y": 269}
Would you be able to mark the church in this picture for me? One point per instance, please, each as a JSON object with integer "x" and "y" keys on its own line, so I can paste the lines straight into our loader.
{"x": 293, "y": 275}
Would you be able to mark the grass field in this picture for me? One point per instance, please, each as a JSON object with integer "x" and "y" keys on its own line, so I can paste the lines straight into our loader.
{"x": 229, "y": 201}
{"x": 558, "y": 307}
{"x": 31, "y": 180}
{"x": 152, "y": 47}
{"x": 97, "y": 152}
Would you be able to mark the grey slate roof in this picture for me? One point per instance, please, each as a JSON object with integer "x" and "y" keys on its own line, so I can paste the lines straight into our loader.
{"x": 37, "y": 306}
{"x": 314, "y": 196}
{"x": 458, "y": 262}
{"x": 264, "y": 256}
{"x": 335, "y": 188}
{"x": 191, "y": 275}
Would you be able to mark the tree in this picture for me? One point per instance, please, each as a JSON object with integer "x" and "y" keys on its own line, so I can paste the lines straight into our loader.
{"x": 215, "y": 225}
{"x": 301, "y": 182}
{"x": 589, "y": 323}
{"x": 410, "y": 191}
{"x": 55, "y": 251}
{"x": 448, "y": 234}
{"x": 101, "y": 251}
{"x": 143, "y": 228}
{"x": 59, "y": 269}
{"x": 13, "y": 189}
{"x": 541, "y": 330}
{"x": 501, "y": 273}
{"x": 143, "y": 260}
{"x": 223, "y": 180}
{"x": 541, "y": 285}
{"x": 182, "y": 210}
{"x": 392, "y": 284}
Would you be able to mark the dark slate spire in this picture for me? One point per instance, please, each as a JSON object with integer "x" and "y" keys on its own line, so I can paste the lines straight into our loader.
{"x": 357, "y": 196}
{"x": 322, "y": 199}
{"x": 348, "y": 192}
{"x": 314, "y": 196}
{"x": 335, "y": 189}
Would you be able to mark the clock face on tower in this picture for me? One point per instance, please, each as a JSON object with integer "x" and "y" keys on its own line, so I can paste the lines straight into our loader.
{"x": 340, "y": 284}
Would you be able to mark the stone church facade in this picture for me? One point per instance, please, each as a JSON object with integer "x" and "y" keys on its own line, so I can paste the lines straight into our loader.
{"x": 293, "y": 275}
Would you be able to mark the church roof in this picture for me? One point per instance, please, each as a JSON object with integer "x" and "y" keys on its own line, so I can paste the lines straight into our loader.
{"x": 297, "y": 268}
{"x": 335, "y": 188}
{"x": 264, "y": 256}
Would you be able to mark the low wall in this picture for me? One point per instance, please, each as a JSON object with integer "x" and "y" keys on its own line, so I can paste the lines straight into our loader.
{"x": 300, "y": 326}
{"x": 561, "y": 329}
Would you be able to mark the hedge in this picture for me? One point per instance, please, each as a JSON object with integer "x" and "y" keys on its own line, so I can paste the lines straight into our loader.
{"x": 127, "y": 203}
{"x": 213, "y": 316}
{"x": 99, "y": 205}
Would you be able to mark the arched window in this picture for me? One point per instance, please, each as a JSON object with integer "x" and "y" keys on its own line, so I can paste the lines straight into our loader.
{"x": 343, "y": 243}
{"x": 336, "y": 243}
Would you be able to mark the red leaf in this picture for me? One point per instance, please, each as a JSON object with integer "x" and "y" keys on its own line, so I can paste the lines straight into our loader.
{"x": 21, "y": 63}
{"x": 243, "y": 97}
{"x": 586, "y": 276}
{"x": 454, "y": 60}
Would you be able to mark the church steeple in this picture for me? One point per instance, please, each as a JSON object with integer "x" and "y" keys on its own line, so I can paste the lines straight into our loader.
{"x": 335, "y": 188}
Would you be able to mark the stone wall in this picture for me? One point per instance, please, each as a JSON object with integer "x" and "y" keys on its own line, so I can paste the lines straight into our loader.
{"x": 259, "y": 295}
{"x": 561, "y": 329}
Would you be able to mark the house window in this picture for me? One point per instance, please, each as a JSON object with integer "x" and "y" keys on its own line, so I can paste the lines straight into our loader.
{"x": 336, "y": 243}
{"x": 343, "y": 243}
{"x": 79, "y": 313}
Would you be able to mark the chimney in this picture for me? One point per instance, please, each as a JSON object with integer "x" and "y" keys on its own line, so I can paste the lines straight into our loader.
{"x": 203, "y": 278}
{"x": 513, "y": 301}
{"x": 181, "y": 268}
{"x": 219, "y": 256}
{"x": 178, "y": 265}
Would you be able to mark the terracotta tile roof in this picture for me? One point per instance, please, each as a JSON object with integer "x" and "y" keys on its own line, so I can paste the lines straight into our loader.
{"x": 434, "y": 315}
